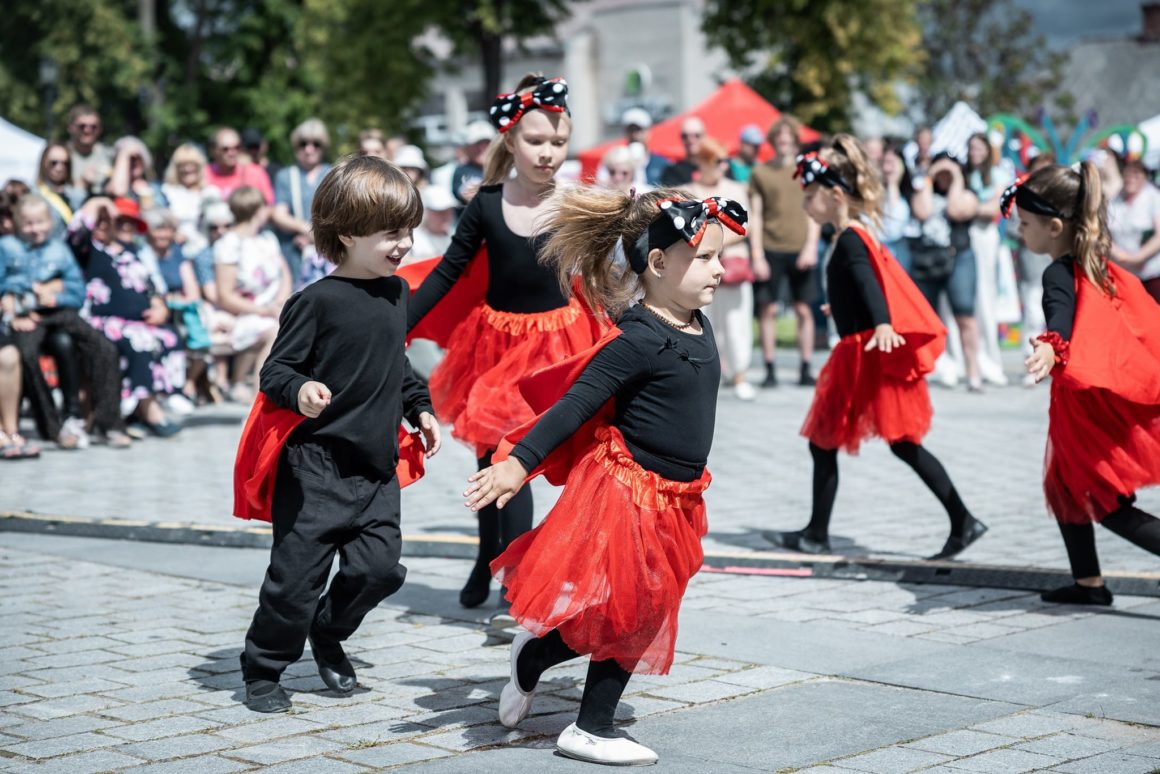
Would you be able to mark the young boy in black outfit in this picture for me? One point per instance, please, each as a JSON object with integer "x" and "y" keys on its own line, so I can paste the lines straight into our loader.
{"x": 339, "y": 361}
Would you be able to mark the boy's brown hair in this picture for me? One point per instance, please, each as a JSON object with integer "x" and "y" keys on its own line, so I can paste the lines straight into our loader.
{"x": 360, "y": 196}
{"x": 245, "y": 203}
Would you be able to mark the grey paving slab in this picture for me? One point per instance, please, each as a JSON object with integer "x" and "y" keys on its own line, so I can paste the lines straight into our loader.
{"x": 202, "y": 764}
{"x": 1130, "y": 699}
{"x": 997, "y": 675}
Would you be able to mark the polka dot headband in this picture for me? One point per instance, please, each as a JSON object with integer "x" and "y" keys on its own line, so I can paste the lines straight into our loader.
{"x": 684, "y": 220}
{"x": 811, "y": 168}
{"x": 508, "y": 109}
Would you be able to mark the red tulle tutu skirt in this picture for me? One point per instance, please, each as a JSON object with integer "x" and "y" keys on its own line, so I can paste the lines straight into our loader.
{"x": 1100, "y": 447}
{"x": 475, "y": 388}
{"x": 855, "y": 400}
{"x": 610, "y": 563}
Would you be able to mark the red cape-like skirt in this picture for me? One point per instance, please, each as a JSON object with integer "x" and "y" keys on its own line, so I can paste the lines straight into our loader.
{"x": 872, "y": 394}
{"x": 1103, "y": 440}
{"x": 609, "y": 565}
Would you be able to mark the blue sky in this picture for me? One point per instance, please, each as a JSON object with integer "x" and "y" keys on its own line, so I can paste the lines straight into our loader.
{"x": 1064, "y": 22}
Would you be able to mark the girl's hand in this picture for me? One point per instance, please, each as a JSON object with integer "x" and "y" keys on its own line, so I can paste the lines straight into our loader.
{"x": 497, "y": 484}
{"x": 760, "y": 268}
{"x": 429, "y": 427}
{"x": 1042, "y": 360}
{"x": 885, "y": 338}
{"x": 313, "y": 397}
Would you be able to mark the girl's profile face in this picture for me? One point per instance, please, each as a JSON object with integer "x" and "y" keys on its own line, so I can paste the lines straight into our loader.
{"x": 1035, "y": 231}
{"x": 689, "y": 276}
{"x": 820, "y": 203}
{"x": 539, "y": 145}
{"x": 978, "y": 152}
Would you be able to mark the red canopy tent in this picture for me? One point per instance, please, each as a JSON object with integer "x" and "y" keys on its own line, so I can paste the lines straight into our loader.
{"x": 725, "y": 113}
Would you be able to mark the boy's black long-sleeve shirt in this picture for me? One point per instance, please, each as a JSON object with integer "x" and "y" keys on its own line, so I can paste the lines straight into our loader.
{"x": 857, "y": 302}
{"x": 664, "y": 383}
{"x": 349, "y": 335}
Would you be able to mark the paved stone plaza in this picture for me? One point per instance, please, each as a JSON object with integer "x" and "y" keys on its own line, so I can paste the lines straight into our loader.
{"x": 991, "y": 444}
{"x": 122, "y": 656}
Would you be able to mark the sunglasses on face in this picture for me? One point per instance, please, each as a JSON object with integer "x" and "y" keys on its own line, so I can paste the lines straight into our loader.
{"x": 56, "y": 163}
{"x": 691, "y": 136}
{"x": 87, "y": 127}
{"x": 229, "y": 148}
{"x": 620, "y": 172}
{"x": 310, "y": 144}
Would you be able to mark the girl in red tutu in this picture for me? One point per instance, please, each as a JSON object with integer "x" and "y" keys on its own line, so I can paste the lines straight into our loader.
{"x": 604, "y": 574}
{"x": 526, "y": 321}
{"x": 873, "y": 384}
{"x": 1102, "y": 349}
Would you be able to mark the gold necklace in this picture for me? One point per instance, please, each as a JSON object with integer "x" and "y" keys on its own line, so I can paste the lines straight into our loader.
{"x": 666, "y": 320}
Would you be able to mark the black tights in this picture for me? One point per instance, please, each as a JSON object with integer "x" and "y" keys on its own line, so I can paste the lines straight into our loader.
{"x": 1127, "y": 521}
{"x": 925, "y": 464}
{"x": 498, "y": 528}
{"x": 603, "y": 687}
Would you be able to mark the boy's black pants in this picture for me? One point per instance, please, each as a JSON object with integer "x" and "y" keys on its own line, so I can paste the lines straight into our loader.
{"x": 320, "y": 507}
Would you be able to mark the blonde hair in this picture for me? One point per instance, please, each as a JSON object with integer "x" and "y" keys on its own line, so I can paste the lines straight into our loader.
{"x": 499, "y": 161}
{"x": 26, "y": 201}
{"x": 360, "y": 196}
{"x": 584, "y": 229}
{"x": 1088, "y": 215}
{"x": 619, "y": 155}
{"x": 187, "y": 153}
{"x": 245, "y": 202}
{"x": 847, "y": 157}
{"x": 310, "y": 129}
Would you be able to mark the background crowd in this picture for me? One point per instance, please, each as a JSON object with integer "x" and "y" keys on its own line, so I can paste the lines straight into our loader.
{"x": 134, "y": 291}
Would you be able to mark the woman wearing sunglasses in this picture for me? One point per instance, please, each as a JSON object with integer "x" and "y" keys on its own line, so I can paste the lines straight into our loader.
{"x": 294, "y": 188}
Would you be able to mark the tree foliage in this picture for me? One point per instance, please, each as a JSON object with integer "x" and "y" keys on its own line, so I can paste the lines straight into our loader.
{"x": 269, "y": 64}
{"x": 987, "y": 53}
{"x": 809, "y": 56}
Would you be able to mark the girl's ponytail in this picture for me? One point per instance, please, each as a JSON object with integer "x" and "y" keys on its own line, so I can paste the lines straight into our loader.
{"x": 584, "y": 229}
{"x": 845, "y": 154}
{"x": 1092, "y": 241}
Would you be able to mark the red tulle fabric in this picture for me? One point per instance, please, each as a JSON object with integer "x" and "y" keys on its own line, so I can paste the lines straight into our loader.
{"x": 474, "y": 388}
{"x": 1103, "y": 441}
{"x": 610, "y": 563}
{"x": 858, "y": 397}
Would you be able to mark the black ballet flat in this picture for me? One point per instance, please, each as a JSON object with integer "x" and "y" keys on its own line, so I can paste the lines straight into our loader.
{"x": 477, "y": 589}
{"x": 334, "y": 667}
{"x": 266, "y": 696}
{"x": 798, "y": 540}
{"x": 1076, "y": 594}
{"x": 955, "y": 545}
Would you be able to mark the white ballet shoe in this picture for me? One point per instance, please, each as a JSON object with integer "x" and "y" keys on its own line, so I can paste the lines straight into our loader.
{"x": 583, "y": 746}
{"x": 514, "y": 703}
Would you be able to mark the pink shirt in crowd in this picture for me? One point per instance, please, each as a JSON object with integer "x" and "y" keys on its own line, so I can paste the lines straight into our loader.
{"x": 243, "y": 174}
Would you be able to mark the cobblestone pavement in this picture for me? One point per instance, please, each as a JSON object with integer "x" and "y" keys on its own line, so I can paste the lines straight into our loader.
{"x": 991, "y": 444}
{"x": 123, "y": 657}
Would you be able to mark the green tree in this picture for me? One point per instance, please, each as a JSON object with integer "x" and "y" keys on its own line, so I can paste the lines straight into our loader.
{"x": 479, "y": 28}
{"x": 98, "y": 50}
{"x": 986, "y": 52}
{"x": 810, "y": 56}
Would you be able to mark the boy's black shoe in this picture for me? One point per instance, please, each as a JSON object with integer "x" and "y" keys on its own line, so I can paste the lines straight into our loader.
{"x": 478, "y": 587}
{"x": 806, "y": 379}
{"x": 770, "y": 379}
{"x": 334, "y": 667}
{"x": 266, "y": 696}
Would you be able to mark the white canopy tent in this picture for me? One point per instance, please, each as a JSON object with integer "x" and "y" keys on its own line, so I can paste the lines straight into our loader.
{"x": 1151, "y": 130}
{"x": 19, "y": 153}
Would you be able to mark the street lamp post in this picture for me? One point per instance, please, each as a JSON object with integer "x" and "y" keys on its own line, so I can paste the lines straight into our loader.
{"x": 48, "y": 79}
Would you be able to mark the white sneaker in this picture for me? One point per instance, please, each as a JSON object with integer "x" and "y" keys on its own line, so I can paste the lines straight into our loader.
{"x": 744, "y": 391}
{"x": 179, "y": 405}
{"x": 514, "y": 704}
{"x": 583, "y": 746}
{"x": 75, "y": 427}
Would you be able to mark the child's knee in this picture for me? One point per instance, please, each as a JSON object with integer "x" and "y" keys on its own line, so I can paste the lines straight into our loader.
{"x": 9, "y": 358}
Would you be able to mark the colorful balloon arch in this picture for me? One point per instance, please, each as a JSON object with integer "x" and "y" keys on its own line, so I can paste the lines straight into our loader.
{"x": 1019, "y": 141}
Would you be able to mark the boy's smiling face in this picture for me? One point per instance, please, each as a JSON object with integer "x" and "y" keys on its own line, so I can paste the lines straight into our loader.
{"x": 375, "y": 255}
{"x": 34, "y": 223}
